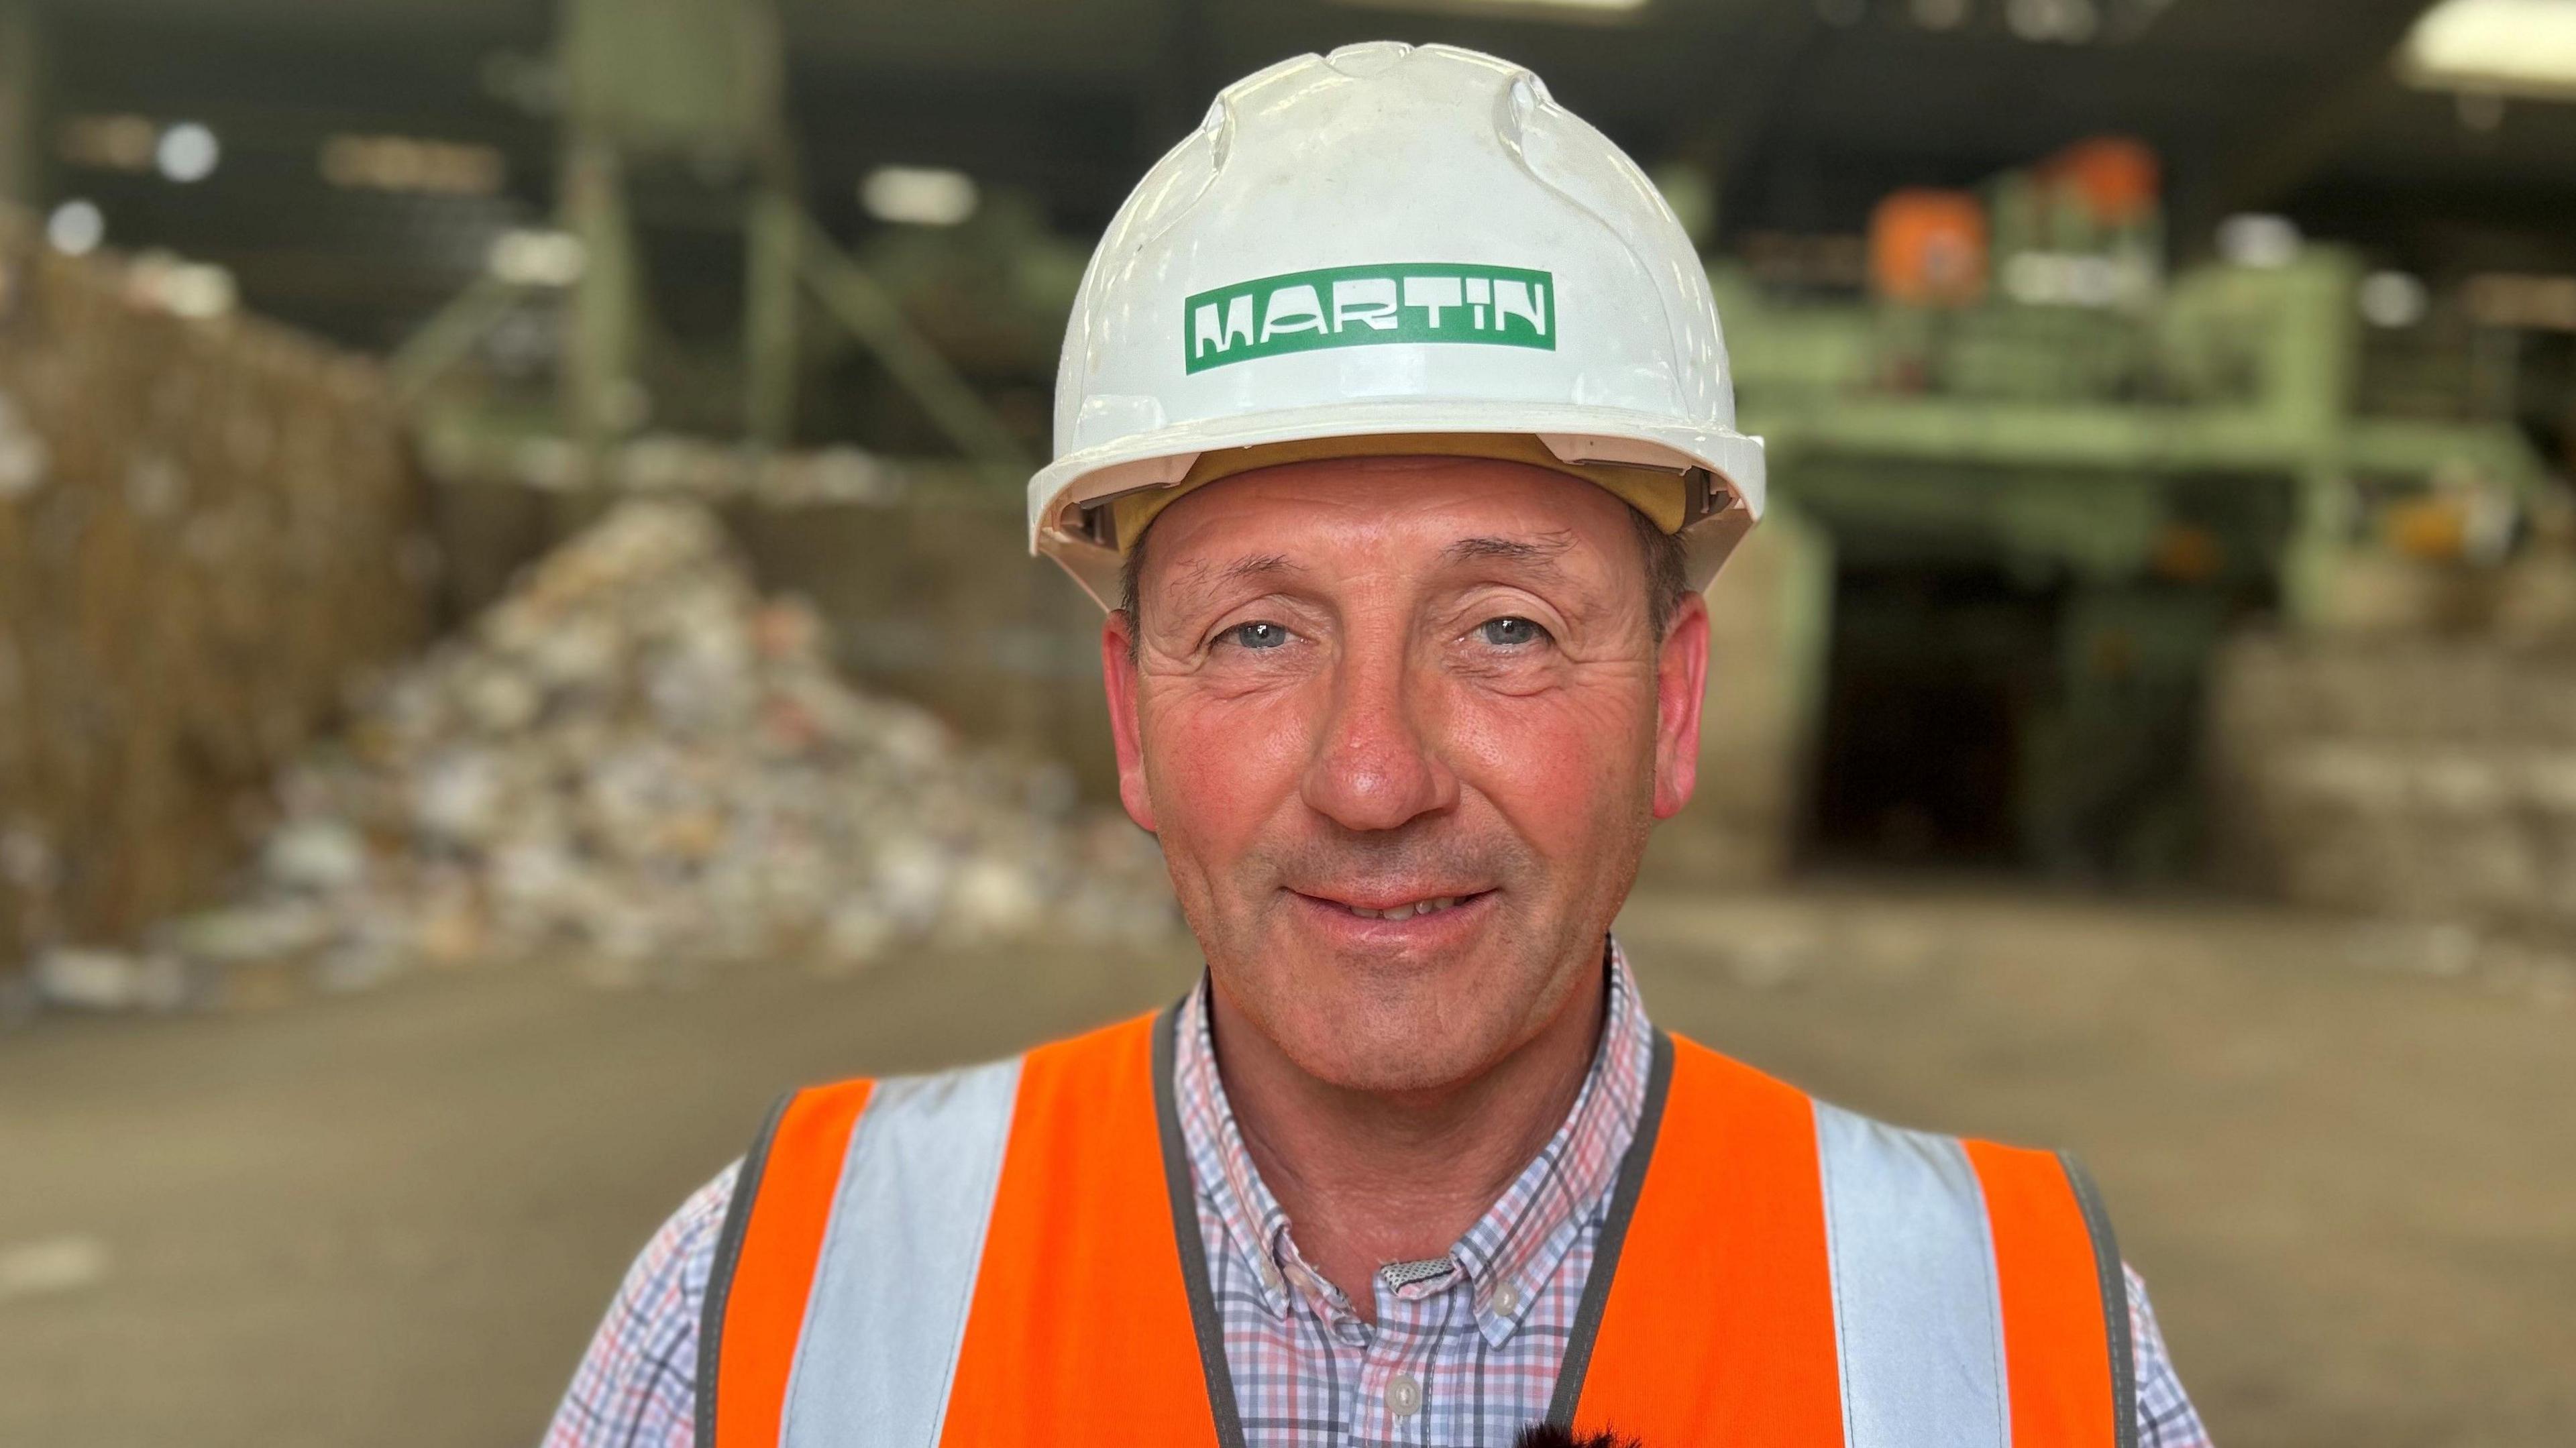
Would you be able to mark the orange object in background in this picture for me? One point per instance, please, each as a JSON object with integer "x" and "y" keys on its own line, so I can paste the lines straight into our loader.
{"x": 2434, "y": 530}
{"x": 2120, "y": 180}
{"x": 2186, "y": 553}
{"x": 1928, "y": 247}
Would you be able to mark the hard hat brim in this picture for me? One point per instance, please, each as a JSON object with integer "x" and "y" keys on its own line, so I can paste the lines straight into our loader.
{"x": 1060, "y": 494}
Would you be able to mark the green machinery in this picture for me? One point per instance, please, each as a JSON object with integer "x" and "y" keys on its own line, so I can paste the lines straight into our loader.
{"x": 694, "y": 264}
{"x": 2044, "y": 515}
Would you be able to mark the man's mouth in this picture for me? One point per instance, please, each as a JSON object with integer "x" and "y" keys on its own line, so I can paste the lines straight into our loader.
{"x": 1401, "y": 910}
{"x": 1404, "y": 912}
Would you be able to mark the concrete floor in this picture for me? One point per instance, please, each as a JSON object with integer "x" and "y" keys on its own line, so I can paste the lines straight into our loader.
{"x": 392, "y": 1219}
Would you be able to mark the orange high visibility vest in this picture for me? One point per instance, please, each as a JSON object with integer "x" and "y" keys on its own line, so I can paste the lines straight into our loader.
{"x": 1010, "y": 1255}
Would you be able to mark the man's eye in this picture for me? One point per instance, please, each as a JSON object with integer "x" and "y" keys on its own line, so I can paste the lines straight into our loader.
{"x": 1510, "y": 633}
{"x": 1257, "y": 635}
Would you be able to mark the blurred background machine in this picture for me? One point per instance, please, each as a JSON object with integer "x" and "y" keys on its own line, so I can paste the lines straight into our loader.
{"x": 2049, "y": 476}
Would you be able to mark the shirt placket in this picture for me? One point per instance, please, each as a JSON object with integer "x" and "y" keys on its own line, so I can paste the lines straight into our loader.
{"x": 1410, "y": 1359}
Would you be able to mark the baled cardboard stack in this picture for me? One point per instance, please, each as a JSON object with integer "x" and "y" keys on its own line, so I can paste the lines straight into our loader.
{"x": 2425, "y": 778}
{"x": 206, "y": 526}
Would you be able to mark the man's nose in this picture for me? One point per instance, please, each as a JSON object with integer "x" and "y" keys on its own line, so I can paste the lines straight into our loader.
{"x": 1374, "y": 768}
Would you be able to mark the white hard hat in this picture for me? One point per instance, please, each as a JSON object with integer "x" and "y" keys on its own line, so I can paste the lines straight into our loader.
{"x": 1392, "y": 249}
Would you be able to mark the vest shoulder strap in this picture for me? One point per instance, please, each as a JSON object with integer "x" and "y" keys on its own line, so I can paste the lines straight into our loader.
{"x": 2063, "y": 1296}
{"x": 765, "y": 1258}
{"x": 974, "y": 1257}
{"x": 1084, "y": 1328}
{"x": 1714, "y": 1304}
{"x": 1781, "y": 1271}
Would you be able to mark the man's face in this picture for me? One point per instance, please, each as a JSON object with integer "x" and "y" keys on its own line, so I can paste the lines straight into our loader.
{"x": 1403, "y": 726}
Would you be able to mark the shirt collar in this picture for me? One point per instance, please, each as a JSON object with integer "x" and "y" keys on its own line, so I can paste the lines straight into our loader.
{"x": 1512, "y": 1250}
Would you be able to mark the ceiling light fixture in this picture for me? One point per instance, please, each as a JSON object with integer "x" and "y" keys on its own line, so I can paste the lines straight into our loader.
{"x": 1575, "y": 11}
{"x": 2069, "y": 22}
{"x": 401, "y": 163}
{"x": 919, "y": 195}
{"x": 109, "y": 143}
{"x": 2258, "y": 239}
{"x": 2498, "y": 47}
{"x": 535, "y": 258}
{"x": 2393, "y": 299}
{"x": 76, "y": 228}
{"x": 188, "y": 152}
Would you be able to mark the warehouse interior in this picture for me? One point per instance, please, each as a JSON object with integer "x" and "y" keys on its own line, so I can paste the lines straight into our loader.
{"x": 517, "y": 642}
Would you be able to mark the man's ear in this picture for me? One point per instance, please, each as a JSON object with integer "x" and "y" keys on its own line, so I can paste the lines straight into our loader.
{"x": 1118, "y": 677}
{"x": 1681, "y": 688}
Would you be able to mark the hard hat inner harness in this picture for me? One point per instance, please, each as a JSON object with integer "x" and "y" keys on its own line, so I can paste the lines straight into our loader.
{"x": 1098, "y": 520}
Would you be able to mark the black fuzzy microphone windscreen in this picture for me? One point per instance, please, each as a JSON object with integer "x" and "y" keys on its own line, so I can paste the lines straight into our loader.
{"x": 1548, "y": 1435}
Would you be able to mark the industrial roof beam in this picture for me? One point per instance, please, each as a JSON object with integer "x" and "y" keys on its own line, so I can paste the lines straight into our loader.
{"x": 2263, "y": 161}
{"x": 22, "y": 110}
{"x": 1754, "y": 45}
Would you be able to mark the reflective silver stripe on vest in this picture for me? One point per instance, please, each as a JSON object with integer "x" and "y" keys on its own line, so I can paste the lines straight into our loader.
{"x": 887, "y": 1313}
{"x": 1915, "y": 1304}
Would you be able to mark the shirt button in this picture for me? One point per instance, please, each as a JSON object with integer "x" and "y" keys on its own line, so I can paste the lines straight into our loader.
{"x": 1507, "y": 1299}
{"x": 1404, "y": 1395}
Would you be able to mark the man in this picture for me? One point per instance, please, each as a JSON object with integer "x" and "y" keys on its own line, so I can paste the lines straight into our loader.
{"x": 1395, "y": 421}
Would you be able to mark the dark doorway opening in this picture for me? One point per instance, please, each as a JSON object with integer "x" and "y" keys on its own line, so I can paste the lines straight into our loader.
{"x": 1934, "y": 679}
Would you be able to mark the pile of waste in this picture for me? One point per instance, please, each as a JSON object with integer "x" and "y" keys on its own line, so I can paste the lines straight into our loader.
{"x": 635, "y": 760}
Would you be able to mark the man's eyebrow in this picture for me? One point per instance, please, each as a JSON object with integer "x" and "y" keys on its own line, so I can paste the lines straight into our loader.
{"x": 1539, "y": 554}
{"x": 1200, "y": 577}
{"x": 1256, "y": 565}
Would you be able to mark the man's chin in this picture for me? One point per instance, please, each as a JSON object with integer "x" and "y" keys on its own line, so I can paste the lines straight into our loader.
{"x": 1382, "y": 1020}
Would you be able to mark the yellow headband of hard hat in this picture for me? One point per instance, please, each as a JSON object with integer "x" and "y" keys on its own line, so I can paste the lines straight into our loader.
{"x": 1660, "y": 494}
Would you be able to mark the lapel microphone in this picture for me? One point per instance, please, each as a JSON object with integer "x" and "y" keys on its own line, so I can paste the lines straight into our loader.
{"x": 1548, "y": 1435}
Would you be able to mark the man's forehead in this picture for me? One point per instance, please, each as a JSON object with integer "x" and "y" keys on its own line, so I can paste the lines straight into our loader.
{"x": 1536, "y": 552}
{"x": 1495, "y": 509}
